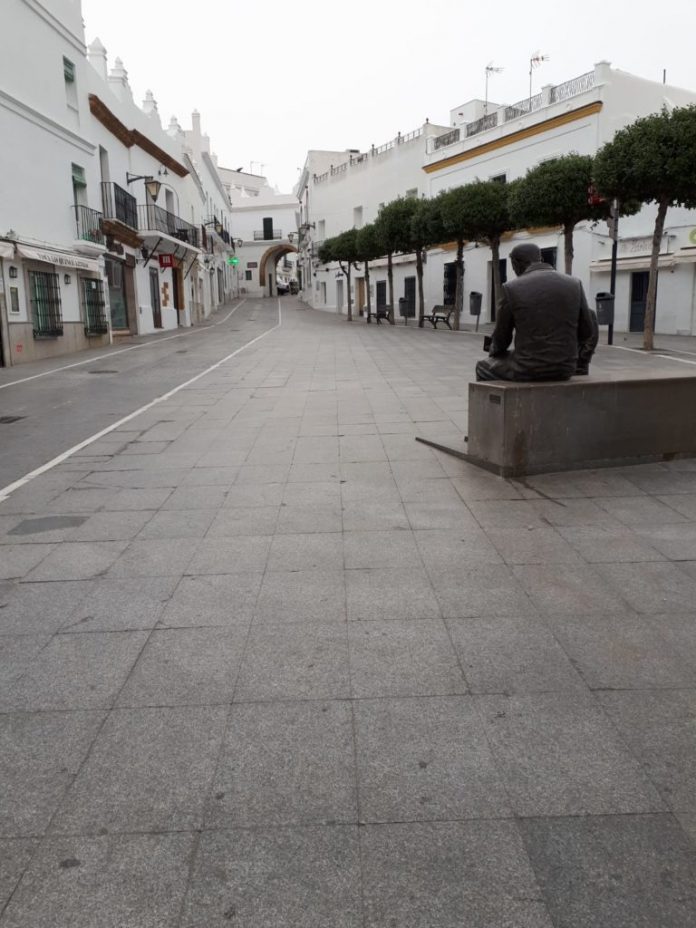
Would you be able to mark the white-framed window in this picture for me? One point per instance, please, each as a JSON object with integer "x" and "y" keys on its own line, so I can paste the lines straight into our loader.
{"x": 499, "y": 178}
{"x": 357, "y": 217}
{"x": 412, "y": 193}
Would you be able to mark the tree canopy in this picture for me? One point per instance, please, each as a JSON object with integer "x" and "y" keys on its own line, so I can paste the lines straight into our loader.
{"x": 555, "y": 193}
{"x": 652, "y": 161}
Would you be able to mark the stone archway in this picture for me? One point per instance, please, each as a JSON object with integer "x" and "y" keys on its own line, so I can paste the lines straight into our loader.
{"x": 272, "y": 256}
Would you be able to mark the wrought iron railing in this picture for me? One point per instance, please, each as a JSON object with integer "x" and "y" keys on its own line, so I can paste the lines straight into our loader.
{"x": 529, "y": 105}
{"x": 118, "y": 204}
{"x": 94, "y": 306}
{"x": 262, "y": 237}
{"x": 573, "y": 87}
{"x": 153, "y": 218}
{"x": 88, "y": 224}
{"x": 449, "y": 138}
{"x": 45, "y": 304}
{"x": 490, "y": 121}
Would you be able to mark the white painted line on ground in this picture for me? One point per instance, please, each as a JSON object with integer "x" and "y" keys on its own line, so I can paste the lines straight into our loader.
{"x": 111, "y": 354}
{"x": 5, "y": 492}
{"x": 651, "y": 354}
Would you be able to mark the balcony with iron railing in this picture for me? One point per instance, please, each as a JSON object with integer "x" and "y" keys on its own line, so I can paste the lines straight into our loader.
{"x": 504, "y": 114}
{"x": 119, "y": 205}
{"x": 261, "y": 236}
{"x": 88, "y": 225}
{"x": 153, "y": 218}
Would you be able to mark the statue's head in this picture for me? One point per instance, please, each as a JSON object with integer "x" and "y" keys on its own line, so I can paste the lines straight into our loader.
{"x": 523, "y": 255}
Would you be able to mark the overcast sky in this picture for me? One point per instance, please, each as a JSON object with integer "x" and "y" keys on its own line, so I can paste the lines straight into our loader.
{"x": 272, "y": 80}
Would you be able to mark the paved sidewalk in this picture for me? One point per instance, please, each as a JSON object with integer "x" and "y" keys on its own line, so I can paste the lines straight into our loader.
{"x": 267, "y": 662}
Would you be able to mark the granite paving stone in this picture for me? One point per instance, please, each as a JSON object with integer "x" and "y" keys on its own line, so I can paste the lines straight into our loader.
{"x": 621, "y": 871}
{"x": 121, "y": 605}
{"x": 558, "y": 754}
{"x": 448, "y": 875}
{"x": 267, "y": 660}
{"x": 622, "y": 651}
{"x": 129, "y": 881}
{"x": 83, "y": 671}
{"x": 148, "y": 770}
{"x": 263, "y": 878}
{"x": 295, "y": 661}
{"x": 15, "y": 855}
{"x": 40, "y": 754}
{"x": 41, "y": 608}
{"x": 659, "y": 729}
{"x": 213, "y": 599}
{"x": 285, "y": 763}
{"x": 18, "y": 560}
{"x": 390, "y": 593}
{"x": 425, "y": 760}
{"x": 512, "y": 654}
{"x": 232, "y": 522}
{"x": 306, "y": 551}
{"x": 304, "y": 596}
{"x": 652, "y": 587}
{"x": 186, "y": 667}
{"x": 403, "y": 658}
{"x": 484, "y": 589}
{"x": 571, "y": 588}
{"x": 229, "y": 555}
{"x": 17, "y": 653}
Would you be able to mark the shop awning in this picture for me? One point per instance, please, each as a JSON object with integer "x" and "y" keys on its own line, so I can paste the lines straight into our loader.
{"x": 69, "y": 260}
{"x": 165, "y": 244}
{"x": 637, "y": 263}
{"x": 6, "y": 250}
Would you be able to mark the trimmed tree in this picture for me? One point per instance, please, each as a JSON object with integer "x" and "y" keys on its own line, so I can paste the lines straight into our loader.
{"x": 555, "y": 193}
{"x": 368, "y": 248}
{"x": 393, "y": 231}
{"x": 344, "y": 250}
{"x": 652, "y": 161}
{"x": 425, "y": 230}
{"x": 487, "y": 218}
{"x": 451, "y": 208}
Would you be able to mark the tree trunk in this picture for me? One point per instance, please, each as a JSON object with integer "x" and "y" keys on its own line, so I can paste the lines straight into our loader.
{"x": 390, "y": 279}
{"x": 649, "y": 324}
{"x": 497, "y": 284}
{"x": 459, "y": 289}
{"x": 568, "y": 244}
{"x": 367, "y": 288}
{"x": 421, "y": 300}
{"x": 350, "y": 299}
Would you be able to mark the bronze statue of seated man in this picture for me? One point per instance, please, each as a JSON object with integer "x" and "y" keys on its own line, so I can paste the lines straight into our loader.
{"x": 555, "y": 331}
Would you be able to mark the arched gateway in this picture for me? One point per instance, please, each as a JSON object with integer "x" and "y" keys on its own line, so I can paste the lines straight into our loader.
{"x": 272, "y": 256}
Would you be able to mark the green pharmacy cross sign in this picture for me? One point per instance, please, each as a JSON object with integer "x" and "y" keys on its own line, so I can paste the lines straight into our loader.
{"x": 233, "y": 260}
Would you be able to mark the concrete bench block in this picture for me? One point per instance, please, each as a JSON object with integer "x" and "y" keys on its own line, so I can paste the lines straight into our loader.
{"x": 533, "y": 428}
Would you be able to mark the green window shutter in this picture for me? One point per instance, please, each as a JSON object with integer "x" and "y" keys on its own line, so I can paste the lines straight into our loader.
{"x": 68, "y": 71}
{"x": 78, "y": 176}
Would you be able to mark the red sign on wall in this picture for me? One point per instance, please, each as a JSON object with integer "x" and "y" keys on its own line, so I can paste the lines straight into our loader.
{"x": 166, "y": 260}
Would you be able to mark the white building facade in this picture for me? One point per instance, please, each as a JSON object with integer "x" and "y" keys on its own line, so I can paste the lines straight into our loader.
{"x": 109, "y": 225}
{"x": 491, "y": 142}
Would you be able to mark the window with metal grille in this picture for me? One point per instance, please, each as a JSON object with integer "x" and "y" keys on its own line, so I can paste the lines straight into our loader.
{"x": 68, "y": 71}
{"x": 94, "y": 306}
{"x": 44, "y": 292}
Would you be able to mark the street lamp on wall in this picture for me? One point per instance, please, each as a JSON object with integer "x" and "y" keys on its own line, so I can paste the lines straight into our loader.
{"x": 151, "y": 185}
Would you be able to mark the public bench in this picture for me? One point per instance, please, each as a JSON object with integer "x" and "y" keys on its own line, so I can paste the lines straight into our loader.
{"x": 596, "y": 421}
{"x": 440, "y": 314}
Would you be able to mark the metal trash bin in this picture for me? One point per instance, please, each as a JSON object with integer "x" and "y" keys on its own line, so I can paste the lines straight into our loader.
{"x": 475, "y": 299}
{"x": 605, "y": 308}
{"x": 407, "y": 309}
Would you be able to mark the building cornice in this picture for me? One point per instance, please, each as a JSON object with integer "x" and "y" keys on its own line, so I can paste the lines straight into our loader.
{"x": 43, "y": 122}
{"x": 513, "y": 137}
{"x": 130, "y": 137}
{"x": 55, "y": 24}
